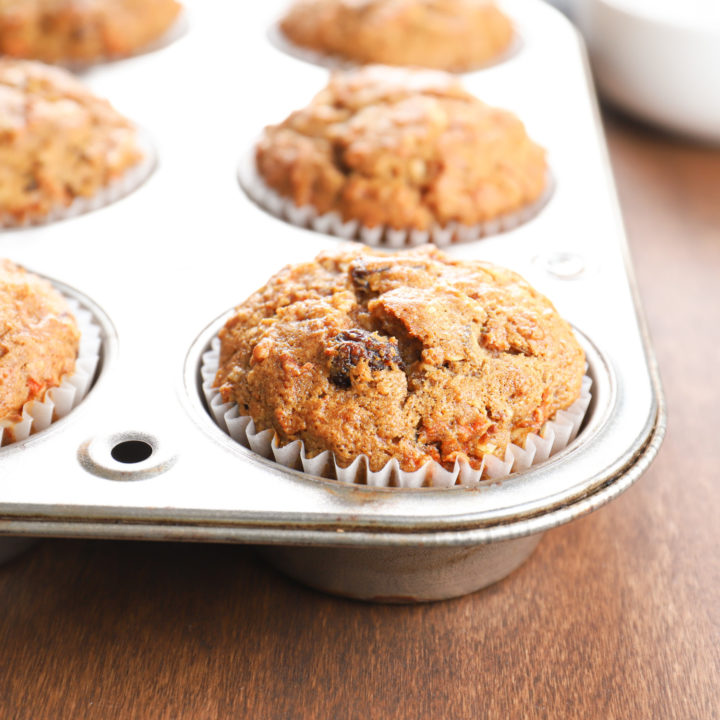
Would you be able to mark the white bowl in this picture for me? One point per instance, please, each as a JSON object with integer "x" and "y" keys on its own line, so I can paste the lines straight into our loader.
{"x": 658, "y": 59}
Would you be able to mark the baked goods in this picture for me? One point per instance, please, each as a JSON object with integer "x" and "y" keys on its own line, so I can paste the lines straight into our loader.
{"x": 455, "y": 35}
{"x": 410, "y": 356}
{"x": 58, "y": 142}
{"x": 82, "y": 30}
{"x": 39, "y": 340}
{"x": 402, "y": 149}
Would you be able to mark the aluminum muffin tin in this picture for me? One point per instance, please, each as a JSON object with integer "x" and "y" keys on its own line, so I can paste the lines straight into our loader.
{"x": 161, "y": 268}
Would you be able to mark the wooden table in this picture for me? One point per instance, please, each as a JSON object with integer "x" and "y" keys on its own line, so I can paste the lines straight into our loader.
{"x": 615, "y": 616}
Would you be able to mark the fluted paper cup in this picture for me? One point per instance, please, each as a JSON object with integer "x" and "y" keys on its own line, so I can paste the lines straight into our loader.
{"x": 38, "y": 414}
{"x": 117, "y": 189}
{"x": 332, "y": 223}
{"x": 555, "y": 435}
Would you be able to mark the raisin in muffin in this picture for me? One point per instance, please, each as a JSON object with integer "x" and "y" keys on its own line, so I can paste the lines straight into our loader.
{"x": 454, "y": 35}
{"x": 410, "y": 356}
{"x": 82, "y": 30}
{"x": 39, "y": 341}
{"x": 59, "y": 142}
{"x": 402, "y": 149}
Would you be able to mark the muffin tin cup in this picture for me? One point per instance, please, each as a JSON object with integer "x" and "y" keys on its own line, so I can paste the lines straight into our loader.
{"x": 555, "y": 435}
{"x": 117, "y": 189}
{"x": 417, "y": 574}
{"x": 332, "y": 223}
{"x": 37, "y": 415}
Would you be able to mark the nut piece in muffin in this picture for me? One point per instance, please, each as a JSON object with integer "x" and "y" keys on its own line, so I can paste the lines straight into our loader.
{"x": 412, "y": 356}
{"x": 403, "y": 149}
{"x": 58, "y": 142}
{"x": 39, "y": 341}
{"x": 454, "y": 35}
{"x": 82, "y": 30}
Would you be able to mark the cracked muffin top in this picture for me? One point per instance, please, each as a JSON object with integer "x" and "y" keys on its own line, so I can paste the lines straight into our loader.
{"x": 58, "y": 141}
{"x": 454, "y": 35}
{"x": 81, "y": 30}
{"x": 406, "y": 149}
{"x": 412, "y": 355}
{"x": 38, "y": 340}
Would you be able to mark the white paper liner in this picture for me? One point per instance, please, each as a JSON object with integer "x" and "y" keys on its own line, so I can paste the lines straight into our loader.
{"x": 555, "y": 435}
{"x": 332, "y": 223}
{"x": 59, "y": 401}
{"x": 336, "y": 62}
{"x": 130, "y": 180}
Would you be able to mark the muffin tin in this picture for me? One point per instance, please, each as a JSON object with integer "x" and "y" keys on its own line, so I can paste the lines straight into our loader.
{"x": 142, "y": 458}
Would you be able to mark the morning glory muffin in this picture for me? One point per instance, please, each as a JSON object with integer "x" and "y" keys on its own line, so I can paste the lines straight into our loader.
{"x": 404, "y": 150}
{"x": 453, "y": 35}
{"x": 82, "y": 31}
{"x": 39, "y": 340}
{"x": 412, "y": 356}
{"x": 59, "y": 142}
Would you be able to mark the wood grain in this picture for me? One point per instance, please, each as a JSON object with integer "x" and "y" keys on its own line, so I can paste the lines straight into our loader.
{"x": 615, "y": 616}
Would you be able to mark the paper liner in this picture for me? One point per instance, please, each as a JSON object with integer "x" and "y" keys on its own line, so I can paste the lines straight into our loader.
{"x": 130, "y": 180}
{"x": 555, "y": 435}
{"x": 336, "y": 62}
{"x": 59, "y": 401}
{"x": 332, "y": 223}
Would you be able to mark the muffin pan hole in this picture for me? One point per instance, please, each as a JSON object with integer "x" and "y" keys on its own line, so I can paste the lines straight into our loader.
{"x": 131, "y": 451}
{"x": 126, "y": 456}
{"x": 563, "y": 265}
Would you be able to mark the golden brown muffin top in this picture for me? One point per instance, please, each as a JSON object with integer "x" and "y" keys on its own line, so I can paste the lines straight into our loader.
{"x": 404, "y": 149}
{"x": 413, "y": 356}
{"x": 455, "y": 35}
{"x": 82, "y": 30}
{"x": 57, "y": 140}
{"x": 86, "y": 7}
{"x": 38, "y": 339}
{"x": 33, "y": 94}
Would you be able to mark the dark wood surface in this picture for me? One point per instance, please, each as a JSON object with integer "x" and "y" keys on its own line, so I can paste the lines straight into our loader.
{"x": 615, "y": 616}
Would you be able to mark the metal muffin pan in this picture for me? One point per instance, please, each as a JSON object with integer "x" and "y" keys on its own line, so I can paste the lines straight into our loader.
{"x": 159, "y": 265}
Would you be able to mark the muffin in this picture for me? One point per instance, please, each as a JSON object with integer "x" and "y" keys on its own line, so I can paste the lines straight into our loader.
{"x": 402, "y": 150}
{"x": 40, "y": 342}
{"x": 454, "y": 35}
{"x": 413, "y": 357}
{"x": 60, "y": 143}
{"x": 82, "y": 30}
